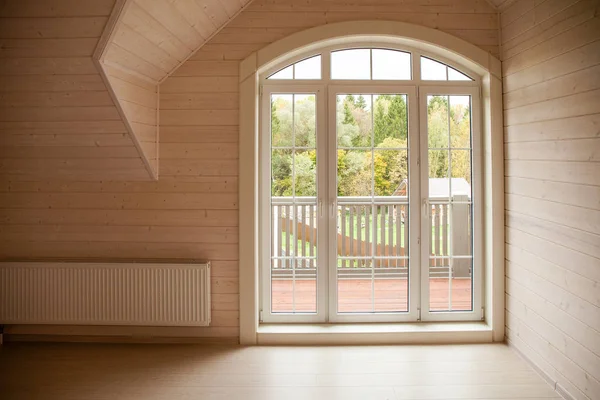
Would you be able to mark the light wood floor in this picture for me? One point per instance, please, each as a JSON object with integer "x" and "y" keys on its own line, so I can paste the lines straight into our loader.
{"x": 177, "y": 372}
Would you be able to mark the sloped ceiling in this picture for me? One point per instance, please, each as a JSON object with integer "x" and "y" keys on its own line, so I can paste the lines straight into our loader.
{"x": 144, "y": 42}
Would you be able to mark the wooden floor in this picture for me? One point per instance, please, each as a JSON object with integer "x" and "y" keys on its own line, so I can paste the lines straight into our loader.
{"x": 177, "y": 372}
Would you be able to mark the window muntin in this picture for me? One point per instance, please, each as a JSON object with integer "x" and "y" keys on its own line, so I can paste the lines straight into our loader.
{"x": 294, "y": 233}
{"x": 370, "y": 64}
{"x": 351, "y": 64}
{"x": 372, "y": 271}
{"x": 334, "y": 311}
{"x": 449, "y": 134}
{"x": 391, "y": 65}
{"x": 309, "y": 68}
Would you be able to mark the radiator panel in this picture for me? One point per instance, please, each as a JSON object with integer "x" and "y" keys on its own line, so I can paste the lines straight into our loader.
{"x": 105, "y": 294}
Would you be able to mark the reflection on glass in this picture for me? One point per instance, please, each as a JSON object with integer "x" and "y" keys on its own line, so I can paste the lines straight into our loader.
{"x": 308, "y": 69}
{"x": 351, "y": 64}
{"x": 391, "y": 64}
{"x": 354, "y": 120}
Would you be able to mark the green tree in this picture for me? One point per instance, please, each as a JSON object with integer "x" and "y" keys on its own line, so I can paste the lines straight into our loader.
{"x": 361, "y": 102}
{"x": 348, "y": 117}
{"x": 390, "y": 118}
{"x": 390, "y": 166}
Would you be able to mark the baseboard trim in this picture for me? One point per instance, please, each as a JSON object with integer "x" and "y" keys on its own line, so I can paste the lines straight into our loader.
{"x": 558, "y": 388}
{"x": 29, "y": 338}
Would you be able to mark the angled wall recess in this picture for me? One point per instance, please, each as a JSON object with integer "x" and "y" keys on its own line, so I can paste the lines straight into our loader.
{"x": 144, "y": 42}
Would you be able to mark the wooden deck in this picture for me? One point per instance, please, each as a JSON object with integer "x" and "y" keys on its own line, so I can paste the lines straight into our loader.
{"x": 355, "y": 295}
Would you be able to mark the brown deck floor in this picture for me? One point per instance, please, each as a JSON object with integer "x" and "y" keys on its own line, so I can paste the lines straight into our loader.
{"x": 356, "y": 295}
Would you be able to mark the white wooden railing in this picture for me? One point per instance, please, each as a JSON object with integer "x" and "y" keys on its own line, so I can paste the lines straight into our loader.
{"x": 368, "y": 230}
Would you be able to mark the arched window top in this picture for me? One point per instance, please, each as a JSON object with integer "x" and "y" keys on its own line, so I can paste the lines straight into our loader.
{"x": 309, "y": 68}
{"x": 370, "y": 63}
{"x": 432, "y": 70}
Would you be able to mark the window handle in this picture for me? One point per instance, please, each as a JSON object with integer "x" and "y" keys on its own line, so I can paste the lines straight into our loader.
{"x": 320, "y": 208}
{"x": 426, "y": 207}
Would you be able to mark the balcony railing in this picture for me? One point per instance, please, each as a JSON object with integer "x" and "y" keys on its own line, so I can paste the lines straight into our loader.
{"x": 370, "y": 232}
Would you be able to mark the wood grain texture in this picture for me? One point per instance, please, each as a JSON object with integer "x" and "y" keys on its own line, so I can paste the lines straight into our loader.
{"x": 552, "y": 130}
{"x": 52, "y": 207}
{"x": 149, "y": 41}
{"x": 52, "y": 98}
{"x": 125, "y": 371}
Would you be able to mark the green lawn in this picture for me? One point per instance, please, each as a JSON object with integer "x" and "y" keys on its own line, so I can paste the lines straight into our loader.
{"x": 307, "y": 246}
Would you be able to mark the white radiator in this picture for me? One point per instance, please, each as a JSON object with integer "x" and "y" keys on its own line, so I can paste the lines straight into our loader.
{"x": 105, "y": 294}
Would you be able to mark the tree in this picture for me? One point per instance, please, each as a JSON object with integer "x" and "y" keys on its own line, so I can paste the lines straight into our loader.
{"x": 390, "y": 166}
{"x": 390, "y": 118}
{"x": 361, "y": 102}
{"x": 348, "y": 117}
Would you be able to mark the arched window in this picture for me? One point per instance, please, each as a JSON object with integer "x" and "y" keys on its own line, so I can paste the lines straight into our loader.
{"x": 370, "y": 187}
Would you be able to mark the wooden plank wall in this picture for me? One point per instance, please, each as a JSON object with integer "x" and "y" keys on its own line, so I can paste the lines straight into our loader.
{"x": 551, "y": 68}
{"x": 191, "y": 212}
{"x": 150, "y": 40}
{"x": 57, "y": 119}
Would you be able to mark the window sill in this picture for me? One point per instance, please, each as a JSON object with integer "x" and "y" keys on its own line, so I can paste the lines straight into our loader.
{"x": 400, "y": 333}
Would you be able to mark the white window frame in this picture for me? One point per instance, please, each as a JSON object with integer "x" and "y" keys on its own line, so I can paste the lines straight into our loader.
{"x": 373, "y": 87}
{"x": 442, "y": 46}
{"x": 476, "y": 312}
{"x": 265, "y": 206}
{"x": 327, "y": 88}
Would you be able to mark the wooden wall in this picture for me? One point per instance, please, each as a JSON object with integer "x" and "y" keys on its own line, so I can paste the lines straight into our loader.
{"x": 57, "y": 119}
{"x": 191, "y": 212}
{"x": 551, "y": 68}
{"x": 150, "y": 40}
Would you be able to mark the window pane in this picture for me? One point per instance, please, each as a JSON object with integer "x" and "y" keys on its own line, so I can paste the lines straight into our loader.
{"x": 305, "y": 173}
{"x": 308, "y": 69}
{"x": 391, "y": 64}
{"x": 454, "y": 75}
{"x": 305, "y": 116}
{"x": 390, "y": 120}
{"x": 351, "y": 64}
{"x": 354, "y": 286}
{"x": 354, "y": 120}
{"x": 461, "y": 174}
{"x": 432, "y": 70}
{"x": 437, "y": 122}
{"x": 281, "y": 120}
{"x": 286, "y": 73}
{"x": 355, "y": 173}
{"x": 391, "y": 169}
{"x": 281, "y": 173}
{"x": 460, "y": 121}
